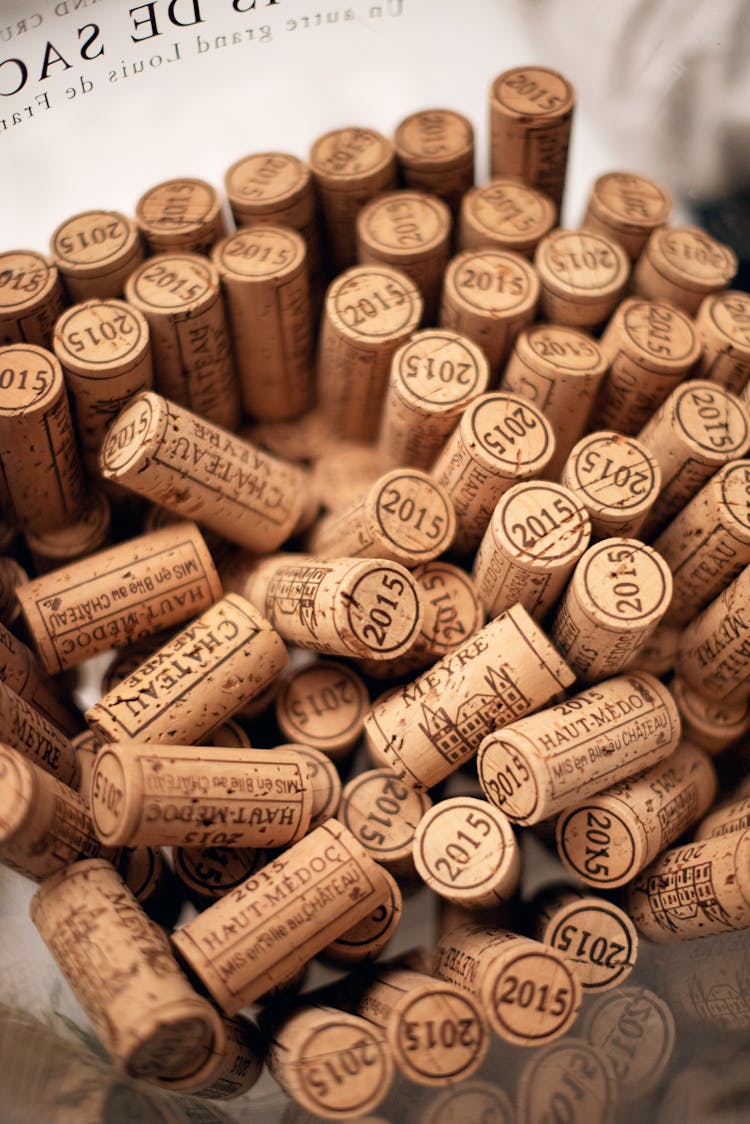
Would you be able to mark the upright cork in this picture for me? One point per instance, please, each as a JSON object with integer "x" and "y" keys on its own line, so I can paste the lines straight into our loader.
{"x": 723, "y": 325}
{"x": 95, "y": 251}
{"x": 31, "y": 298}
{"x": 616, "y": 479}
{"x": 323, "y": 705}
{"x": 683, "y": 264}
{"x": 435, "y": 152}
{"x": 370, "y": 311}
{"x": 179, "y": 294}
{"x": 707, "y": 722}
{"x": 595, "y": 935}
{"x": 383, "y": 813}
{"x": 366, "y": 940}
{"x": 714, "y": 653}
{"x": 21, "y": 672}
{"x": 201, "y": 677}
{"x": 506, "y": 215}
{"x": 26, "y": 729}
{"x": 425, "y": 730}
{"x": 582, "y": 275}
{"x": 626, "y": 208}
{"x": 639, "y": 1058}
{"x": 180, "y": 216}
{"x": 51, "y": 549}
{"x": 619, "y": 592}
{"x": 200, "y": 471}
{"x": 539, "y": 765}
{"x": 570, "y": 1077}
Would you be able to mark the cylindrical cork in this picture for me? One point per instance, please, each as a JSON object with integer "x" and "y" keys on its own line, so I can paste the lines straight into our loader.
{"x": 12, "y": 578}
{"x": 31, "y": 298}
{"x": 500, "y": 440}
{"x": 435, "y": 152}
{"x": 342, "y": 607}
{"x": 42, "y": 479}
{"x": 210, "y": 873}
{"x": 597, "y": 937}
{"x": 323, "y": 705}
{"x": 639, "y": 1057}
{"x": 105, "y": 352}
{"x": 21, "y": 671}
{"x": 122, "y": 594}
{"x": 44, "y": 825}
{"x": 465, "y": 850}
{"x": 27, "y": 729}
{"x": 714, "y": 652}
{"x": 95, "y": 251}
{"x": 723, "y": 326}
{"x": 201, "y": 677}
{"x": 122, "y": 972}
{"x": 490, "y": 296}
{"x": 200, "y": 471}
{"x": 706, "y": 985}
{"x": 544, "y": 763}
{"x": 305, "y": 438}
{"x": 506, "y": 215}
{"x": 531, "y": 111}
{"x": 233, "y": 1070}
{"x": 694, "y": 890}
{"x": 335, "y": 1064}
{"x": 149, "y": 878}
{"x": 649, "y": 348}
{"x": 405, "y": 516}
{"x": 434, "y": 377}
{"x": 370, "y": 311}
{"x": 425, "y": 730}
{"x": 658, "y": 653}
{"x": 619, "y": 592}
{"x": 323, "y": 779}
{"x": 383, "y": 813}
{"x": 710, "y": 724}
{"x": 560, "y": 370}
{"x": 616, "y": 479}
{"x": 281, "y": 917}
{"x": 626, "y": 208}
{"x": 51, "y": 549}
{"x": 583, "y": 276}
{"x": 700, "y": 428}
{"x": 607, "y": 839}
{"x": 537, "y": 533}
{"x": 728, "y": 818}
{"x": 179, "y": 294}
{"x": 368, "y": 938}
{"x": 344, "y": 472}
{"x": 683, "y": 264}
{"x": 471, "y": 1100}
{"x": 180, "y": 215}
{"x": 569, "y": 1077}
{"x": 264, "y": 278}
{"x": 349, "y": 167}
{"x": 199, "y": 796}
{"x": 528, "y": 990}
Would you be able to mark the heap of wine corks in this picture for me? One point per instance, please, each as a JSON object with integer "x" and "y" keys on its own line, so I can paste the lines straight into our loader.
{"x": 415, "y": 529}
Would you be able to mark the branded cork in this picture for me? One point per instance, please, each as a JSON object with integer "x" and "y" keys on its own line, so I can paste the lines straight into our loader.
{"x": 730, "y": 817}
{"x": 383, "y": 814}
{"x": 289, "y": 911}
{"x": 723, "y": 326}
{"x": 705, "y": 983}
{"x": 323, "y": 780}
{"x": 197, "y": 680}
{"x": 639, "y": 1057}
{"x": 435, "y": 152}
{"x": 29, "y": 731}
{"x": 368, "y": 938}
{"x": 21, "y": 671}
{"x": 597, "y": 937}
{"x": 12, "y": 578}
{"x": 434, "y": 377}
{"x": 616, "y": 479}
{"x": 490, "y": 296}
{"x": 43, "y": 485}
{"x": 31, "y": 298}
{"x": 714, "y": 653}
{"x": 471, "y": 1100}
{"x": 51, "y": 549}
{"x": 210, "y": 873}
{"x": 650, "y": 347}
{"x": 583, "y": 276}
{"x": 323, "y": 705}
{"x": 683, "y": 264}
{"x": 95, "y": 251}
{"x": 626, "y": 208}
{"x": 708, "y": 723}
{"x": 546, "y": 762}
{"x": 235, "y": 1068}
{"x": 120, "y": 595}
{"x": 536, "y": 535}
{"x": 506, "y": 215}
{"x": 344, "y": 472}
{"x": 569, "y": 1078}
{"x": 425, "y": 730}
{"x": 180, "y": 215}
{"x": 370, "y": 311}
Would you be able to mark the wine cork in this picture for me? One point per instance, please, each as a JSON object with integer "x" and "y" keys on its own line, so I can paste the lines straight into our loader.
{"x": 710, "y": 724}
{"x": 425, "y": 730}
{"x": 146, "y": 874}
{"x": 12, "y": 578}
{"x": 180, "y": 215}
{"x": 435, "y": 151}
{"x": 349, "y": 167}
{"x": 194, "y": 468}
{"x": 383, "y": 813}
{"x": 368, "y": 938}
{"x": 607, "y": 839}
{"x": 94, "y": 252}
{"x": 489, "y": 296}
{"x": 31, "y": 298}
{"x": 434, "y": 377}
{"x": 634, "y": 1028}
{"x": 500, "y": 440}
{"x": 121, "y": 970}
{"x": 30, "y": 732}
{"x": 471, "y": 1100}
{"x": 281, "y": 917}
{"x": 410, "y": 230}
{"x": 706, "y": 984}
{"x": 338, "y": 607}
{"x": 714, "y": 654}
{"x": 597, "y": 937}
{"x": 560, "y": 370}
{"x": 21, "y": 671}
{"x": 544, "y": 763}
{"x": 723, "y": 326}
{"x": 505, "y": 215}
{"x": 122, "y": 594}
{"x": 728, "y": 818}
{"x": 210, "y": 873}
{"x": 370, "y": 311}
{"x": 658, "y": 653}
{"x": 405, "y": 516}
{"x": 582, "y": 275}
{"x": 42, "y": 486}
{"x": 536, "y": 535}
{"x": 53, "y": 549}
{"x": 528, "y": 991}
{"x": 619, "y": 592}
{"x": 234, "y": 1070}
{"x": 44, "y": 825}
{"x": 616, "y": 479}
{"x": 323, "y": 705}
{"x": 531, "y": 110}
{"x": 626, "y": 208}
{"x": 649, "y": 348}
{"x": 570, "y": 1080}
{"x": 694, "y": 890}
{"x": 179, "y": 295}
{"x": 683, "y": 264}
{"x": 344, "y": 473}
{"x": 465, "y": 850}
{"x": 323, "y": 780}
{"x": 305, "y": 438}
{"x": 699, "y": 428}
{"x": 265, "y": 282}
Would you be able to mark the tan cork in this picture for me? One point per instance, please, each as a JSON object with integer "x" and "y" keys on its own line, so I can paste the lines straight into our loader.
{"x": 709, "y": 723}
{"x": 366, "y": 940}
{"x": 583, "y": 276}
{"x": 435, "y": 152}
{"x": 505, "y": 214}
{"x": 210, "y": 873}
{"x": 20, "y": 670}
{"x": 728, "y": 818}
{"x": 595, "y": 935}
{"x": 322, "y": 778}
{"x": 713, "y": 657}
{"x": 639, "y": 1058}
{"x": 683, "y": 264}
{"x": 723, "y": 326}
{"x": 31, "y": 298}
{"x": 51, "y": 549}
{"x": 570, "y": 1076}
{"x": 616, "y": 479}
{"x": 95, "y": 251}
{"x": 180, "y": 215}
{"x": 625, "y": 208}
{"x": 29, "y": 731}
{"x": 323, "y": 705}
{"x": 383, "y": 814}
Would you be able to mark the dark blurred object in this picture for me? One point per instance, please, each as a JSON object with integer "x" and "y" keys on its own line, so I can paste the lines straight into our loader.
{"x": 729, "y": 220}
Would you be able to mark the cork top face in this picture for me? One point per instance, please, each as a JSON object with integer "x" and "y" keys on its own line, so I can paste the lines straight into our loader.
{"x": 16, "y": 792}
{"x": 630, "y": 201}
{"x": 729, "y": 313}
{"x": 26, "y": 279}
{"x": 405, "y": 224}
{"x": 554, "y": 346}
{"x": 178, "y": 207}
{"x": 659, "y": 332}
{"x": 533, "y": 91}
{"x": 30, "y": 378}
{"x": 374, "y": 303}
{"x": 350, "y": 154}
{"x": 413, "y": 513}
{"x": 508, "y": 209}
{"x": 541, "y": 522}
{"x": 266, "y": 180}
{"x": 711, "y": 420}
{"x": 582, "y": 264}
{"x": 439, "y": 370}
{"x": 323, "y": 705}
{"x": 452, "y": 609}
{"x": 173, "y": 283}
{"x": 87, "y": 243}
{"x": 625, "y": 581}
{"x": 735, "y": 492}
{"x": 492, "y": 282}
{"x": 687, "y": 255}
{"x": 108, "y": 797}
{"x": 435, "y": 136}
{"x": 612, "y": 941}
{"x": 259, "y": 253}
{"x": 484, "y": 855}
{"x": 616, "y": 474}
{"x": 382, "y": 813}
{"x": 100, "y": 334}
{"x": 509, "y": 434}
{"x": 132, "y": 429}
